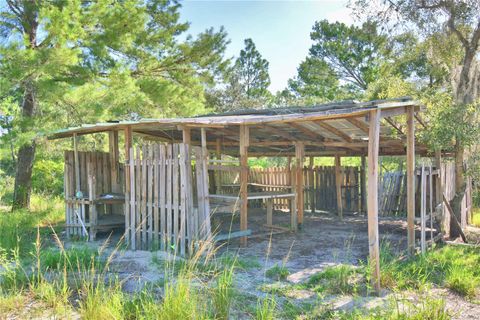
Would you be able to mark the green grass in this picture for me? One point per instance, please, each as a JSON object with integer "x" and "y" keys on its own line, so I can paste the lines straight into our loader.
{"x": 18, "y": 228}
{"x": 342, "y": 279}
{"x": 476, "y": 217}
{"x": 277, "y": 272}
{"x": 453, "y": 267}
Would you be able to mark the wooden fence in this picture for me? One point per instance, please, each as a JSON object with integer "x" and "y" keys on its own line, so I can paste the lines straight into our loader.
{"x": 98, "y": 173}
{"x": 162, "y": 210}
{"x": 319, "y": 191}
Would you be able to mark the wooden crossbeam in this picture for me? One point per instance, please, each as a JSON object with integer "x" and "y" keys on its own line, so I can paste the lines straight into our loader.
{"x": 394, "y": 125}
{"x": 335, "y": 131}
{"x": 306, "y": 131}
{"x": 359, "y": 124}
{"x": 279, "y": 132}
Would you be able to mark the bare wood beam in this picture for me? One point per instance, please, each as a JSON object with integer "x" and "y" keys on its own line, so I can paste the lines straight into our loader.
{"x": 315, "y": 135}
{"x": 359, "y": 124}
{"x": 410, "y": 181}
{"x": 394, "y": 125}
{"x": 338, "y": 185}
{"x": 244, "y": 142}
{"x": 335, "y": 131}
{"x": 372, "y": 200}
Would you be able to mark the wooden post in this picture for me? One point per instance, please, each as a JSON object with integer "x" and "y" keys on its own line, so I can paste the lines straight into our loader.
{"x": 128, "y": 208}
{"x": 372, "y": 200}
{"x": 338, "y": 185}
{"x": 311, "y": 183}
{"x": 410, "y": 180}
{"x": 363, "y": 186}
{"x": 206, "y": 200}
{"x": 218, "y": 155}
{"x": 77, "y": 164}
{"x": 423, "y": 202}
{"x": 114, "y": 156}
{"x": 299, "y": 190}
{"x": 269, "y": 212}
{"x": 244, "y": 142}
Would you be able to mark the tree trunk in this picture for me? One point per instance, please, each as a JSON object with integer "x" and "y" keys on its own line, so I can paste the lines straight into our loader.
{"x": 26, "y": 155}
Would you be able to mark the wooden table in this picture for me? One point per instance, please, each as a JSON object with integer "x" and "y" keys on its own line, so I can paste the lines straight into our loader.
{"x": 268, "y": 196}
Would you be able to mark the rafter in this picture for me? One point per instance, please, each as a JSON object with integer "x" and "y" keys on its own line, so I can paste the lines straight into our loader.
{"x": 359, "y": 124}
{"x": 306, "y": 131}
{"x": 340, "y": 134}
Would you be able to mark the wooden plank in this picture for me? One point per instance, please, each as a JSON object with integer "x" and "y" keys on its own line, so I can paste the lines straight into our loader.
{"x": 198, "y": 227}
{"x": 338, "y": 186}
{"x": 410, "y": 181}
{"x": 176, "y": 194}
{"x": 299, "y": 157}
{"x": 127, "y": 183}
{"x": 91, "y": 171}
{"x": 206, "y": 203}
{"x": 114, "y": 161}
{"x": 372, "y": 200}
{"x": 132, "y": 197}
{"x": 138, "y": 198}
{"x": 169, "y": 166}
{"x": 232, "y": 235}
{"x": 244, "y": 142}
{"x": 143, "y": 211}
{"x": 269, "y": 212}
{"x": 76, "y": 163}
{"x": 423, "y": 202}
{"x": 183, "y": 162}
{"x": 162, "y": 204}
{"x": 150, "y": 199}
{"x": 340, "y": 134}
{"x": 156, "y": 192}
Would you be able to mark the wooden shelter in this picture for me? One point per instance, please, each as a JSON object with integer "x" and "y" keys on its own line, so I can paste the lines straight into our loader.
{"x": 166, "y": 199}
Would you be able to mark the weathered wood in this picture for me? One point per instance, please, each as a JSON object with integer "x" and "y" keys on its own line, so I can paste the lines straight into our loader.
{"x": 244, "y": 143}
{"x": 127, "y": 183}
{"x": 269, "y": 212}
{"x": 423, "y": 202}
{"x": 299, "y": 159}
{"x": 150, "y": 199}
{"x": 183, "y": 196}
{"x": 176, "y": 194}
{"x": 372, "y": 200}
{"x": 338, "y": 186}
{"x": 156, "y": 186}
{"x": 410, "y": 180}
{"x": 132, "y": 198}
{"x": 114, "y": 161}
{"x": 169, "y": 166}
{"x": 232, "y": 235}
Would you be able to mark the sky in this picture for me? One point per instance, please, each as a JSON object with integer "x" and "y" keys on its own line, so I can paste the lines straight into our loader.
{"x": 279, "y": 29}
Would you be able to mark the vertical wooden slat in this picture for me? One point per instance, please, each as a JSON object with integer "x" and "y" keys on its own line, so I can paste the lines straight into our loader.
{"x": 299, "y": 157}
{"x": 176, "y": 193}
{"x": 163, "y": 207}
{"x": 132, "y": 197}
{"x": 244, "y": 143}
{"x": 156, "y": 192}
{"x": 150, "y": 199}
{"x": 169, "y": 165}
{"x": 183, "y": 196}
{"x": 206, "y": 202}
{"x": 138, "y": 197}
{"x": 128, "y": 182}
{"x": 338, "y": 185}
{"x": 410, "y": 180}
{"x": 423, "y": 188}
{"x": 372, "y": 201}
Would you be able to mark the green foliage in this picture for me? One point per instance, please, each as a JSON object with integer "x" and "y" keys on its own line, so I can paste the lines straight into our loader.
{"x": 454, "y": 267}
{"x": 353, "y": 53}
{"x": 47, "y": 177}
{"x": 252, "y": 71}
{"x": 72, "y": 259}
{"x": 266, "y": 308}
{"x": 278, "y": 272}
{"x": 336, "y": 279}
{"x": 223, "y": 293}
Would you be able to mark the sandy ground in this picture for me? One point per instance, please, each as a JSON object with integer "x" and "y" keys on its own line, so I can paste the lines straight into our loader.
{"x": 323, "y": 241}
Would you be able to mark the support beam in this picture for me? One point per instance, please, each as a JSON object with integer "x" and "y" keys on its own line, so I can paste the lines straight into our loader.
{"x": 439, "y": 192}
{"x": 410, "y": 180}
{"x": 77, "y": 164}
{"x": 340, "y": 134}
{"x": 338, "y": 185}
{"x": 359, "y": 124}
{"x": 244, "y": 142}
{"x": 299, "y": 159}
{"x": 129, "y": 223}
{"x": 372, "y": 200}
{"x": 363, "y": 186}
{"x": 114, "y": 160}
